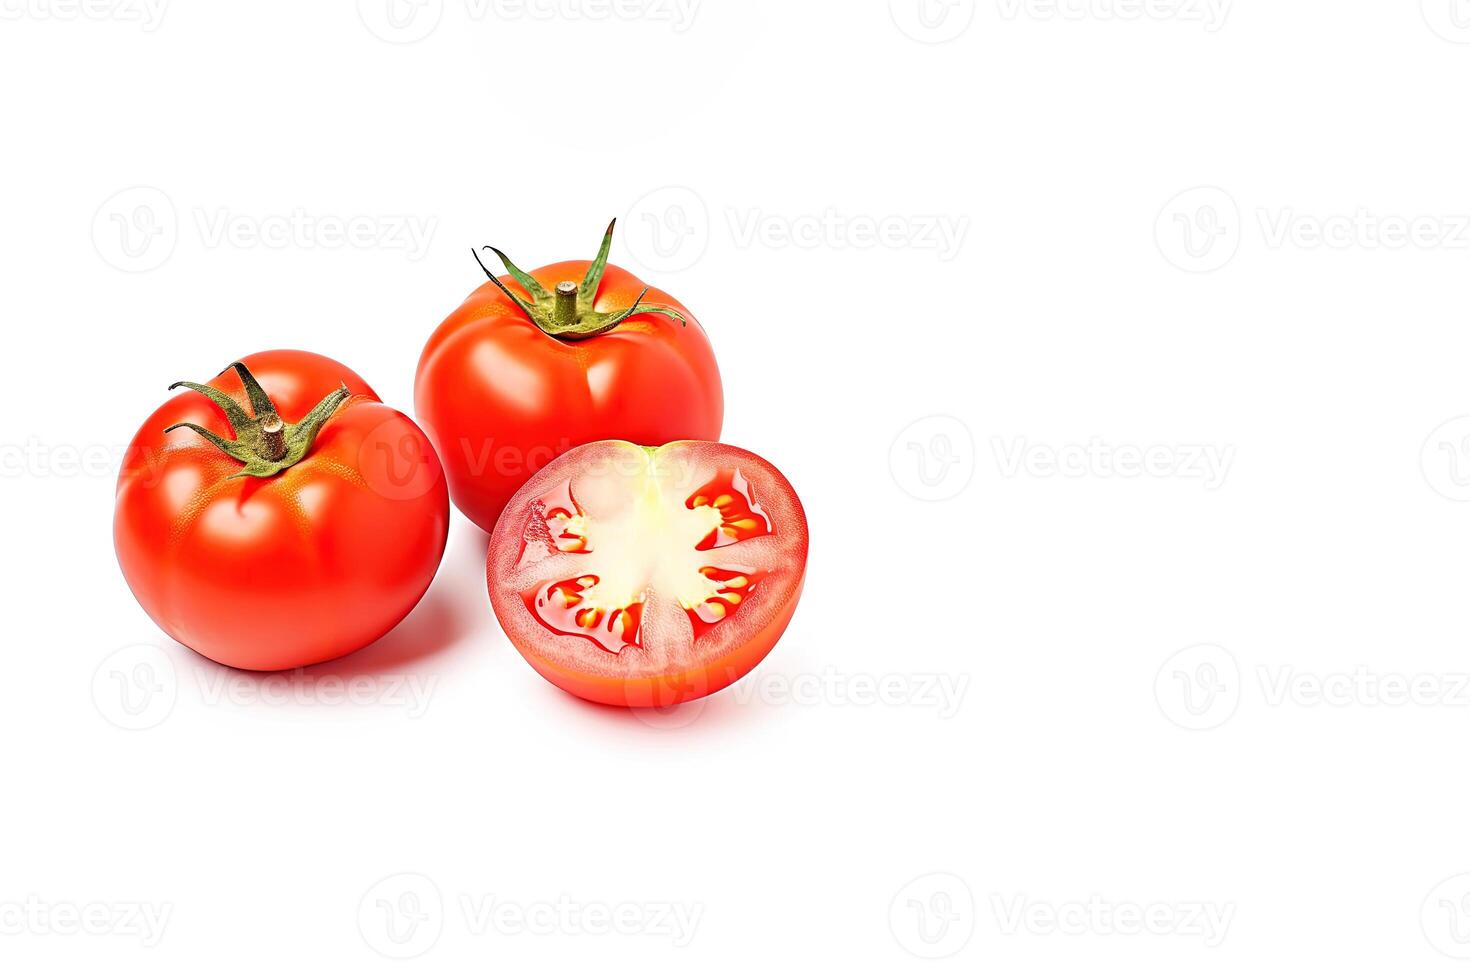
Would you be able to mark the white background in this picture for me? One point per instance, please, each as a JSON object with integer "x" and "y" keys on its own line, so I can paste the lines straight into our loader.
{"x": 1117, "y": 350}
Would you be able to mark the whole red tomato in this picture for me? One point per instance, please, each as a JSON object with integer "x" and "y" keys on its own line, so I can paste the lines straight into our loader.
{"x": 569, "y": 353}
{"x": 642, "y": 576}
{"x": 292, "y": 533}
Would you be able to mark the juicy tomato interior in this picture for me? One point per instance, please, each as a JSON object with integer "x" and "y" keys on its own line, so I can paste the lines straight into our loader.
{"x": 644, "y": 563}
{"x": 654, "y": 541}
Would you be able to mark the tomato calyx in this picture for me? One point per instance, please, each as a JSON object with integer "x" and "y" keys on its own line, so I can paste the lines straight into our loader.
{"x": 566, "y": 312}
{"x": 265, "y": 443}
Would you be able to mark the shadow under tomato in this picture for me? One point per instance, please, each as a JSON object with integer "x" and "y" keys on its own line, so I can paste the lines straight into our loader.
{"x": 721, "y": 711}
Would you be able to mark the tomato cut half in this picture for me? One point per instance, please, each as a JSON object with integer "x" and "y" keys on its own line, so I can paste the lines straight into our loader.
{"x": 648, "y": 576}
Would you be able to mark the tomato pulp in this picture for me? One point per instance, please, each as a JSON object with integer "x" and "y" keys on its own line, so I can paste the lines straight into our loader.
{"x": 648, "y": 576}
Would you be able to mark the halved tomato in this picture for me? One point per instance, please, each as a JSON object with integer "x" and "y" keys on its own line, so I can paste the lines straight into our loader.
{"x": 648, "y": 576}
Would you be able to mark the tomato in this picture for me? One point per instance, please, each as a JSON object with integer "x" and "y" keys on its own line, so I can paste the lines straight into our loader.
{"x": 569, "y": 353}
{"x": 641, "y": 577}
{"x": 286, "y": 536}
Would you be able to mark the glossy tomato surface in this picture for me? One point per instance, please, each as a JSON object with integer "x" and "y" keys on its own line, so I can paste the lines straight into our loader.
{"x": 501, "y": 398}
{"x": 644, "y": 577}
{"x": 279, "y": 572}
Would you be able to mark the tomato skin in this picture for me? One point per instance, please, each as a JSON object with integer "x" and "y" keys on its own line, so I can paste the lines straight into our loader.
{"x": 716, "y": 661}
{"x": 501, "y": 399}
{"x": 276, "y": 573}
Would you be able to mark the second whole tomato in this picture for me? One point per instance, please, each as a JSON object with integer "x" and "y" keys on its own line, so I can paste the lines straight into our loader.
{"x": 566, "y": 354}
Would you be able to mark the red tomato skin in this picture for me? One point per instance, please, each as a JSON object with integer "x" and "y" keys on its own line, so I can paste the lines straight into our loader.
{"x": 501, "y": 399}
{"x": 277, "y": 573}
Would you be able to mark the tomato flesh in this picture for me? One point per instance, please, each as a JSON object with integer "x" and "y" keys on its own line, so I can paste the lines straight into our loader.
{"x": 648, "y": 576}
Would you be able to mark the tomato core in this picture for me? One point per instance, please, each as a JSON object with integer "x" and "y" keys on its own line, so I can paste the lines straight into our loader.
{"x": 645, "y": 533}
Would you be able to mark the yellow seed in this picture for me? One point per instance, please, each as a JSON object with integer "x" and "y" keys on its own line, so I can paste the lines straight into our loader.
{"x": 714, "y": 611}
{"x": 738, "y": 582}
{"x": 744, "y": 524}
{"x": 733, "y": 598}
{"x": 588, "y": 618}
{"x": 587, "y": 581}
{"x": 700, "y": 500}
{"x": 724, "y": 500}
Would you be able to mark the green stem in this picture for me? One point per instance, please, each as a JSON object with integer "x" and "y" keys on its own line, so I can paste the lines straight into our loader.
{"x": 274, "y": 431}
{"x": 565, "y": 310}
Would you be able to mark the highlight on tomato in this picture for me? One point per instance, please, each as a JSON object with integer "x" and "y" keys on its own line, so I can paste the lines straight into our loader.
{"x": 570, "y": 353}
{"x": 296, "y": 531}
{"x": 648, "y": 576}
